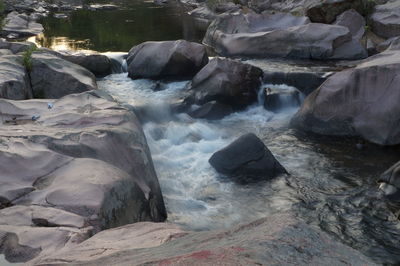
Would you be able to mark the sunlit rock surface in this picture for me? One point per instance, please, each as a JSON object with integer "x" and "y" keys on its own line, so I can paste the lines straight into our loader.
{"x": 80, "y": 163}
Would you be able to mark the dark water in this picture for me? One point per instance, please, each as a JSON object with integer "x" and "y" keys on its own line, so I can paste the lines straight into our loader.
{"x": 118, "y": 30}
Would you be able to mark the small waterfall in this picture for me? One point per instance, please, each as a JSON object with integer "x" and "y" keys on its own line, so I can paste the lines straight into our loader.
{"x": 278, "y": 97}
{"x": 118, "y": 62}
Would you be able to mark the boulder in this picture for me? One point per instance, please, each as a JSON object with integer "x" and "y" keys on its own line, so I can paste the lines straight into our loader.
{"x": 327, "y": 11}
{"x": 386, "y": 19}
{"x": 16, "y": 47}
{"x": 361, "y": 101}
{"x": 388, "y": 43}
{"x": 14, "y": 79}
{"x": 390, "y": 182}
{"x": 20, "y": 25}
{"x": 279, "y": 35}
{"x": 226, "y": 81}
{"x": 166, "y": 60}
{"x": 100, "y": 65}
{"x": 279, "y": 239}
{"x": 53, "y": 77}
{"x": 353, "y": 21}
{"x": 212, "y": 110}
{"x": 80, "y": 162}
{"x": 247, "y": 158}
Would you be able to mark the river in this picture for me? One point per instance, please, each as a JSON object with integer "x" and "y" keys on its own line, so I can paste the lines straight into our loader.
{"x": 332, "y": 183}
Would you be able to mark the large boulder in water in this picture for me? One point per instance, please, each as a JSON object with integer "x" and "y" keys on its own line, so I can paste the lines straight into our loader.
{"x": 14, "y": 79}
{"x": 166, "y": 60}
{"x": 53, "y": 77}
{"x": 386, "y": 19}
{"x": 100, "y": 65}
{"x": 279, "y": 239}
{"x": 226, "y": 81}
{"x": 362, "y": 101}
{"x": 247, "y": 158}
{"x": 277, "y": 35}
{"x": 84, "y": 159}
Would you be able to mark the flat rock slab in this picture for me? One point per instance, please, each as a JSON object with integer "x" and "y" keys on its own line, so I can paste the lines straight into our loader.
{"x": 80, "y": 162}
{"x": 280, "y": 239}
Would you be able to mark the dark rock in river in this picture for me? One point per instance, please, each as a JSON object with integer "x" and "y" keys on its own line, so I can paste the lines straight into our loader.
{"x": 390, "y": 182}
{"x": 279, "y": 239}
{"x": 386, "y": 19}
{"x": 247, "y": 158}
{"x": 362, "y": 101}
{"x": 20, "y": 25}
{"x": 14, "y": 79}
{"x": 280, "y": 35}
{"x": 100, "y": 65}
{"x": 212, "y": 110}
{"x": 226, "y": 81}
{"x": 69, "y": 167}
{"x": 326, "y": 11}
{"x": 166, "y": 60}
{"x": 53, "y": 77}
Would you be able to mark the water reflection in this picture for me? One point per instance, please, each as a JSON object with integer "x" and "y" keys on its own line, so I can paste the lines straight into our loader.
{"x": 117, "y": 30}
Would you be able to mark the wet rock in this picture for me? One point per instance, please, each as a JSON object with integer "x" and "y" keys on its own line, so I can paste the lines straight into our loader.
{"x": 306, "y": 82}
{"x": 247, "y": 158}
{"x": 53, "y": 77}
{"x": 386, "y": 19}
{"x": 21, "y": 25}
{"x": 167, "y": 59}
{"x": 327, "y": 11}
{"x": 83, "y": 164}
{"x": 14, "y": 79}
{"x": 279, "y": 239}
{"x": 279, "y": 35}
{"x": 390, "y": 182}
{"x": 279, "y": 99}
{"x": 212, "y": 110}
{"x": 226, "y": 81}
{"x": 346, "y": 104}
{"x": 16, "y": 47}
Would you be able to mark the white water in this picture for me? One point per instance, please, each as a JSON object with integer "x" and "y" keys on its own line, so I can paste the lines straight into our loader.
{"x": 196, "y": 196}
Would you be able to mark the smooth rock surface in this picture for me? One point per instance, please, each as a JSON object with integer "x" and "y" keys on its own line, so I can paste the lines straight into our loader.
{"x": 247, "y": 157}
{"x": 386, "y": 19}
{"x": 14, "y": 79}
{"x": 226, "y": 81}
{"x": 279, "y": 35}
{"x": 80, "y": 162}
{"x": 21, "y": 25}
{"x": 53, "y": 77}
{"x": 362, "y": 101}
{"x": 166, "y": 60}
{"x": 278, "y": 239}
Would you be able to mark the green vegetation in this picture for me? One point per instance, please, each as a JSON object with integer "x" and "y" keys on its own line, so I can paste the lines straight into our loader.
{"x": 27, "y": 58}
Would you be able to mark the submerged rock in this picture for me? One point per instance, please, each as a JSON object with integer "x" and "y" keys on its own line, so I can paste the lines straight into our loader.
{"x": 362, "y": 101}
{"x": 212, "y": 110}
{"x": 227, "y": 82}
{"x": 14, "y": 79}
{"x": 82, "y": 164}
{"x": 279, "y": 239}
{"x": 386, "y": 19}
{"x": 247, "y": 158}
{"x": 53, "y": 77}
{"x": 280, "y": 35}
{"x": 21, "y": 25}
{"x": 166, "y": 60}
{"x": 390, "y": 182}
